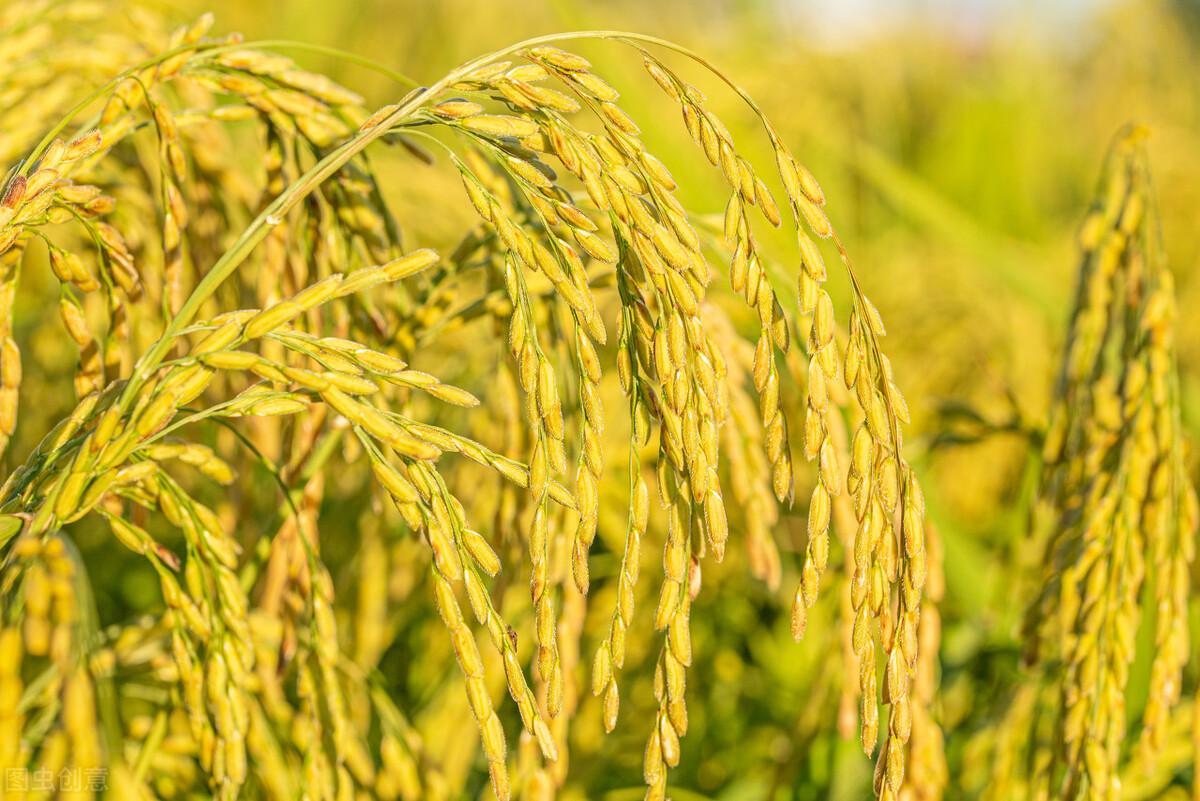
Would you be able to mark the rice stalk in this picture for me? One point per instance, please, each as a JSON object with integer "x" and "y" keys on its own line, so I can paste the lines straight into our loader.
{"x": 1116, "y": 514}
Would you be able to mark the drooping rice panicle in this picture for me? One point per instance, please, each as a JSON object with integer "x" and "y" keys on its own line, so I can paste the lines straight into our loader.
{"x": 262, "y": 678}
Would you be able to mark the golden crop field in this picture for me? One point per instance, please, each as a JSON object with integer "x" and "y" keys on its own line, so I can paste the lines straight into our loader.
{"x": 756, "y": 401}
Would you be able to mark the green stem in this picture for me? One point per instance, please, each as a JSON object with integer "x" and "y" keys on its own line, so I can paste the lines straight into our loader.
{"x": 157, "y": 732}
{"x": 338, "y": 53}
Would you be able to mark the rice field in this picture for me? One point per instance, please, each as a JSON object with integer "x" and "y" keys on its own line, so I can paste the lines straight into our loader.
{"x": 743, "y": 402}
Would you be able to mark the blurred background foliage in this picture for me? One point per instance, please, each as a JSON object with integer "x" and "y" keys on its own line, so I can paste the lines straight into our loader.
{"x": 958, "y": 145}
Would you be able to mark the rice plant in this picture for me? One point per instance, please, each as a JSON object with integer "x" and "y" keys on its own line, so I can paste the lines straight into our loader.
{"x": 1115, "y": 508}
{"x": 306, "y": 432}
